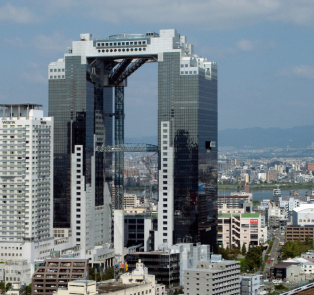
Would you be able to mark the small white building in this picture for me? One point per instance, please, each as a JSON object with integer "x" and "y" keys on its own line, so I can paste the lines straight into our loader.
{"x": 307, "y": 267}
{"x": 303, "y": 215}
{"x": 250, "y": 284}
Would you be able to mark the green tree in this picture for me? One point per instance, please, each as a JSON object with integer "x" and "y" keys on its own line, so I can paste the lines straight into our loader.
{"x": 281, "y": 287}
{"x": 253, "y": 258}
{"x": 109, "y": 275}
{"x": 243, "y": 249}
{"x": 8, "y": 285}
{"x": 28, "y": 289}
{"x": 2, "y": 285}
{"x": 308, "y": 242}
{"x": 225, "y": 253}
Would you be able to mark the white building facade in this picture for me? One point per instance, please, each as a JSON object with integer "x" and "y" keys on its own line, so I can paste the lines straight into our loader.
{"x": 303, "y": 215}
{"x": 26, "y": 184}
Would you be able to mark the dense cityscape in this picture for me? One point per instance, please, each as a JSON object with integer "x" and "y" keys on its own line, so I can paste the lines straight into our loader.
{"x": 114, "y": 176}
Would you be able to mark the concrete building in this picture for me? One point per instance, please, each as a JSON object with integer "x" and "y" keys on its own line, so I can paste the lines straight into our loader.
{"x": 310, "y": 166}
{"x": 250, "y": 284}
{"x": 16, "y": 289}
{"x": 303, "y": 215}
{"x": 215, "y": 277}
{"x": 272, "y": 175}
{"x": 136, "y": 282}
{"x": 16, "y": 271}
{"x": 26, "y": 175}
{"x": 236, "y": 200}
{"x": 308, "y": 254}
{"x": 307, "y": 267}
{"x": 86, "y": 287}
{"x": 299, "y": 232}
{"x": 55, "y": 273}
{"x": 285, "y": 270}
{"x": 134, "y": 224}
{"x": 190, "y": 255}
{"x": 130, "y": 201}
{"x": 236, "y": 229}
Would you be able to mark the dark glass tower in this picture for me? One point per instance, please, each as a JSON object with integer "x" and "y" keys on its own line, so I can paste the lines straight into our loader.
{"x": 78, "y": 107}
{"x": 187, "y": 102}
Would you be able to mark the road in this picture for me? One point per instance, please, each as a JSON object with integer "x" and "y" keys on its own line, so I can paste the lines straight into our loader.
{"x": 274, "y": 251}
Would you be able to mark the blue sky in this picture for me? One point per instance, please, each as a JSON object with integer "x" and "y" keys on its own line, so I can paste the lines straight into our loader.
{"x": 264, "y": 51}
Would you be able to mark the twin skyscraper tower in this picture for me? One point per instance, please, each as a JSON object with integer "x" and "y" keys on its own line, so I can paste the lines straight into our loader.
{"x": 86, "y": 99}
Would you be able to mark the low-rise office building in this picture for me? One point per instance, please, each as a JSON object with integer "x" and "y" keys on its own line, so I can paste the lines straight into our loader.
{"x": 308, "y": 254}
{"x": 303, "y": 215}
{"x": 55, "y": 273}
{"x": 307, "y": 267}
{"x": 215, "y": 277}
{"x": 285, "y": 270}
{"x": 236, "y": 229}
{"x": 298, "y": 232}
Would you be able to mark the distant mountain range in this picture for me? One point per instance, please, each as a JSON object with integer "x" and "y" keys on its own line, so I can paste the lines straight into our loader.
{"x": 255, "y": 138}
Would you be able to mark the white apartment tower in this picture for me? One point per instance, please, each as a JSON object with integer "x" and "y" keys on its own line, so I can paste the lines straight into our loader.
{"x": 26, "y": 146}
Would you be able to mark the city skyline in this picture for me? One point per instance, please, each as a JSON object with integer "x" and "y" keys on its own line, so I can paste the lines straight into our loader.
{"x": 265, "y": 63}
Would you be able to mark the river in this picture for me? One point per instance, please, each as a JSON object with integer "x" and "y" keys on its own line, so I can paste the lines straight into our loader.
{"x": 264, "y": 194}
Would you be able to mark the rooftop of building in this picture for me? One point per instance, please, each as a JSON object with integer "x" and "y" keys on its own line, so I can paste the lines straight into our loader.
{"x": 299, "y": 259}
{"x": 82, "y": 281}
{"x": 167, "y": 252}
{"x": 285, "y": 264}
{"x": 213, "y": 266}
{"x": 114, "y": 287}
{"x": 243, "y": 215}
{"x": 23, "y": 104}
{"x": 234, "y": 196}
{"x": 299, "y": 226}
{"x": 304, "y": 207}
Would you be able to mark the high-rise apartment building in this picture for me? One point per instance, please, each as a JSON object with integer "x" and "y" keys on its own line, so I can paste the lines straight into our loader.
{"x": 26, "y": 172}
{"x": 81, "y": 101}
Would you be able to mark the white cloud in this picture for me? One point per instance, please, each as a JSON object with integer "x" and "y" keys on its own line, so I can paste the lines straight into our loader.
{"x": 16, "y": 14}
{"x": 55, "y": 42}
{"x": 302, "y": 71}
{"x": 35, "y": 74}
{"x": 16, "y": 42}
{"x": 210, "y": 14}
{"x": 242, "y": 45}
{"x": 245, "y": 45}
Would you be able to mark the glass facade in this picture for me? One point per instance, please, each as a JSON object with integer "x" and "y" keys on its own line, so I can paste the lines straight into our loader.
{"x": 189, "y": 103}
{"x": 78, "y": 107}
{"x": 165, "y": 266}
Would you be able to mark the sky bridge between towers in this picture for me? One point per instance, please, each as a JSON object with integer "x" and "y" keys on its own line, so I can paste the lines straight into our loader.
{"x": 84, "y": 83}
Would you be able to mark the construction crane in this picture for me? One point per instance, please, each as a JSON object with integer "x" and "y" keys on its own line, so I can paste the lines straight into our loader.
{"x": 147, "y": 161}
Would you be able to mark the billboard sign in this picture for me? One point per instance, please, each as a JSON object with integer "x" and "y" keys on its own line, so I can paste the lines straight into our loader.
{"x": 253, "y": 221}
